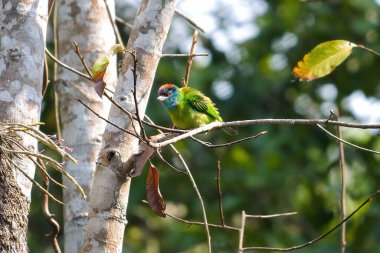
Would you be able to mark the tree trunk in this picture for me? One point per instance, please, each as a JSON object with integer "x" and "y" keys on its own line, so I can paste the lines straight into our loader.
{"x": 22, "y": 42}
{"x": 82, "y": 130}
{"x": 110, "y": 191}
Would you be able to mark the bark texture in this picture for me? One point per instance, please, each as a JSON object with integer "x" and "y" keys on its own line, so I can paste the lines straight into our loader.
{"x": 110, "y": 191}
{"x": 87, "y": 23}
{"x": 22, "y": 42}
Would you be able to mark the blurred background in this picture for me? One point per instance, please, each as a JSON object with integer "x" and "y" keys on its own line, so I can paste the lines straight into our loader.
{"x": 253, "y": 46}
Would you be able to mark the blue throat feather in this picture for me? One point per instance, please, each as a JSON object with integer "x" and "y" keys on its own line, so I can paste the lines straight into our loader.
{"x": 172, "y": 102}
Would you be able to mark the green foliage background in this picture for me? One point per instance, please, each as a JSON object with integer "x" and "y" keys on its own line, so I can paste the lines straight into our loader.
{"x": 292, "y": 168}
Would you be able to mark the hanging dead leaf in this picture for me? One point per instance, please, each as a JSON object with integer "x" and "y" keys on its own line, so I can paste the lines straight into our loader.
{"x": 141, "y": 158}
{"x": 153, "y": 194}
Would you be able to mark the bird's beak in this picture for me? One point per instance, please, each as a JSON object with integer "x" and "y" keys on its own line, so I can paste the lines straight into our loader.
{"x": 161, "y": 98}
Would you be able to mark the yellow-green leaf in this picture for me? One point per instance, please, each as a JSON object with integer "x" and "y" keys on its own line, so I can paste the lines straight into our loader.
{"x": 323, "y": 59}
{"x": 100, "y": 66}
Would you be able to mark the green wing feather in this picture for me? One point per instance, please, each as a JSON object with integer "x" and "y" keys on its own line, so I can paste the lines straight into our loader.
{"x": 201, "y": 103}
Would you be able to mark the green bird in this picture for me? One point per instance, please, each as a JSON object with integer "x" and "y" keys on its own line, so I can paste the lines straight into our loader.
{"x": 189, "y": 108}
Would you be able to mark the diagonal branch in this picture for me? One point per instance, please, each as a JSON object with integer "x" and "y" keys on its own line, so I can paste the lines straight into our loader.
{"x": 81, "y": 57}
{"x": 209, "y": 145}
{"x": 348, "y": 143}
{"x": 220, "y": 195}
{"x": 114, "y": 26}
{"x": 188, "y": 19}
{"x": 319, "y": 237}
{"x": 185, "y": 81}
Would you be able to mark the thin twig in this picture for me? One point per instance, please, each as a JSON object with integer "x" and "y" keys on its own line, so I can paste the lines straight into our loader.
{"x": 348, "y": 143}
{"x": 42, "y": 168}
{"x": 368, "y": 49}
{"x": 39, "y": 164}
{"x": 51, "y": 8}
{"x": 209, "y": 145}
{"x": 342, "y": 164}
{"x": 188, "y": 172}
{"x": 319, "y": 237}
{"x": 54, "y": 164}
{"x": 50, "y": 216}
{"x": 183, "y": 55}
{"x": 57, "y": 115}
{"x": 188, "y": 19}
{"x": 174, "y": 149}
{"x": 106, "y": 120}
{"x": 122, "y": 21}
{"x": 241, "y": 232}
{"x": 150, "y": 124}
{"x": 169, "y": 164}
{"x": 81, "y": 57}
{"x": 56, "y": 53}
{"x": 190, "y": 60}
{"x": 134, "y": 71}
{"x": 200, "y": 201}
{"x": 268, "y": 216}
{"x": 114, "y": 26}
{"x": 201, "y": 223}
{"x": 66, "y": 66}
{"x": 220, "y": 195}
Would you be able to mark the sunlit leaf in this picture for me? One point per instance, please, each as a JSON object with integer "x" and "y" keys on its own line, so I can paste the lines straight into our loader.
{"x": 323, "y": 59}
{"x": 100, "y": 67}
{"x": 154, "y": 196}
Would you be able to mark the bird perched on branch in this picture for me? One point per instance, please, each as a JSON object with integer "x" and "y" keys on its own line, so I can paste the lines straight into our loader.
{"x": 189, "y": 108}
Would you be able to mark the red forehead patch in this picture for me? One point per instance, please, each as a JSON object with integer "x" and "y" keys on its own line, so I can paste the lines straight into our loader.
{"x": 166, "y": 86}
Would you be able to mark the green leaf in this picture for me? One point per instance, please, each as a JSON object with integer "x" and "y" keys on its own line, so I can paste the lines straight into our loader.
{"x": 100, "y": 67}
{"x": 323, "y": 59}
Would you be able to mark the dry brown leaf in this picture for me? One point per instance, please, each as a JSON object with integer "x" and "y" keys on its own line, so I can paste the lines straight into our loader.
{"x": 153, "y": 194}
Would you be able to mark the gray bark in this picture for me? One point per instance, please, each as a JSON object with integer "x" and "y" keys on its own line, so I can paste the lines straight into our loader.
{"x": 110, "y": 191}
{"x": 87, "y": 23}
{"x": 22, "y": 42}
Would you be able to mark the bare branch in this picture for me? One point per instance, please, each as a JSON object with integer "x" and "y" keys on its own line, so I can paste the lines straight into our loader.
{"x": 169, "y": 164}
{"x": 268, "y": 216}
{"x": 109, "y": 122}
{"x": 218, "y": 125}
{"x": 185, "y": 82}
{"x": 220, "y": 194}
{"x": 348, "y": 143}
{"x": 114, "y": 26}
{"x": 229, "y": 143}
{"x": 66, "y": 66}
{"x": 81, "y": 57}
{"x": 241, "y": 232}
{"x": 122, "y": 21}
{"x": 200, "y": 201}
{"x": 134, "y": 71}
{"x": 56, "y": 98}
{"x": 183, "y": 55}
{"x": 50, "y": 217}
{"x": 319, "y": 237}
{"x": 188, "y": 19}
{"x": 368, "y": 49}
{"x": 202, "y": 223}
{"x": 342, "y": 164}
{"x": 148, "y": 123}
